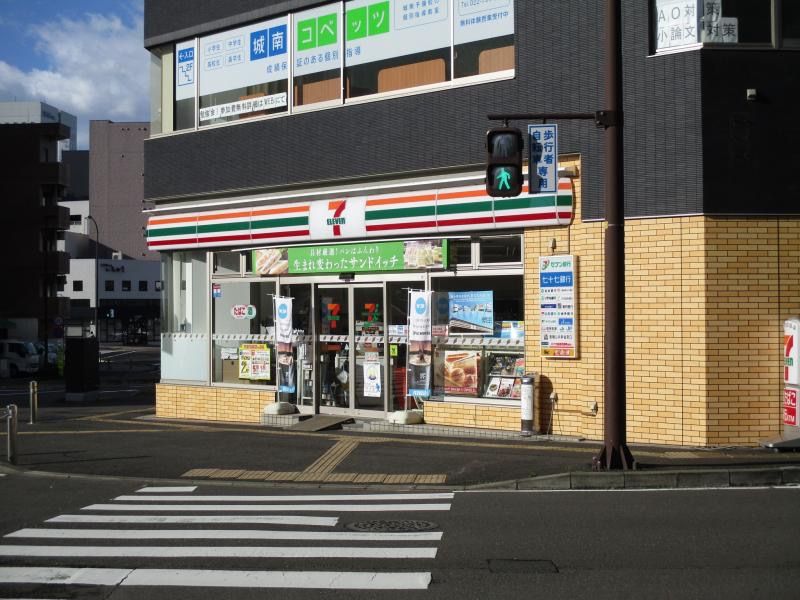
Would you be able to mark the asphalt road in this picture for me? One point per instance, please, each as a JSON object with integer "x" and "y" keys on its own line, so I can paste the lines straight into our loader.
{"x": 732, "y": 543}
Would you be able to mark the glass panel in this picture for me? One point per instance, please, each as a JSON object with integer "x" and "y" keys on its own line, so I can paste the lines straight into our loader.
{"x": 790, "y": 22}
{"x": 334, "y": 347}
{"x": 244, "y": 72}
{"x": 483, "y": 37}
{"x": 505, "y": 249}
{"x": 737, "y": 21}
{"x": 393, "y": 45}
{"x": 460, "y": 252}
{"x": 243, "y": 310}
{"x": 155, "y": 91}
{"x": 303, "y": 355}
{"x": 397, "y": 316}
{"x": 227, "y": 263}
{"x": 370, "y": 344}
{"x": 317, "y": 75}
{"x": 185, "y": 73}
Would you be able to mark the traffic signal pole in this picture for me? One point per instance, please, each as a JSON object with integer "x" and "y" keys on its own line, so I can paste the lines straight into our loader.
{"x": 615, "y": 453}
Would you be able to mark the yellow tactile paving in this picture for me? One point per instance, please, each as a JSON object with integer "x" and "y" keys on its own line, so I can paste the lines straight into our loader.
{"x": 431, "y": 479}
{"x": 340, "y": 477}
{"x": 282, "y": 476}
{"x": 370, "y": 478}
{"x": 333, "y": 457}
{"x": 199, "y": 473}
{"x": 255, "y": 475}
{"x": 226, "y": 473}
{"x": 400, "y": 478}
{"x": 312, "y": 476}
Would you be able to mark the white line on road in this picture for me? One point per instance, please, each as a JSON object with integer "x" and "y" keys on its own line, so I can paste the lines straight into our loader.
{"x": 218, "y": 552}
{"x": 223, "y": 534}
{"x": 167, "y": 489}
{"x": 197, "y": 519}
{"x": 318, "y": 498}
{"x": 62, "y": 576}
{"x": 216, "y": 578}
{"x": 269, "y": 507}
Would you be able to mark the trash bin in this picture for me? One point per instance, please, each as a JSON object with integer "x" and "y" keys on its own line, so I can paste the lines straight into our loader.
{"x": 81, "y": 367}
{"x": 527, "y": 413}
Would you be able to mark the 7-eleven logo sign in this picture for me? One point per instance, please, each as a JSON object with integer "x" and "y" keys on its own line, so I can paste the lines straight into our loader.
{"x": 336, "y": 220}
{"x": 791, "y": 352}
{"x": 340, "y": 218}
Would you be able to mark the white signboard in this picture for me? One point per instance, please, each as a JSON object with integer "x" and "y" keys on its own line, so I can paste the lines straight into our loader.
{"x": 677, "y": 23}
{"x": 340, "y": 218}
{"x": 419, "y": 319}
{"x": 184, "y": 70}
{"x": 283, "y": 320}
{"x": 791, "y": 352}
{"x": 557, "y": 301}
{"x": 316, "y": 43}
{"x": 543, "y": 164}
{"x": 382, "y": 29}
{"x": 477, "y": 20}
{"x": 372, "y": 379}
{"x": 231, "y": 109}
{"x": 244, "y": 57}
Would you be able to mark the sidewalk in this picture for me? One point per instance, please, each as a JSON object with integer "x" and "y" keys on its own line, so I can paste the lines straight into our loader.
{"x": 118, "y": 436}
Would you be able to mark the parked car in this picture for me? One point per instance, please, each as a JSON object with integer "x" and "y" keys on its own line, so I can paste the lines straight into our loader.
{"x": 20, "y": 356}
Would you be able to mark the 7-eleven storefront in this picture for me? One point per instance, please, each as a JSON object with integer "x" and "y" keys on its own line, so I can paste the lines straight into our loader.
{"x": 347, "y": 259}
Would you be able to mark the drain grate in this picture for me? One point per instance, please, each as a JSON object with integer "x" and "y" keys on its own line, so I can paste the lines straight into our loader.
{"x": 399, "y": 526}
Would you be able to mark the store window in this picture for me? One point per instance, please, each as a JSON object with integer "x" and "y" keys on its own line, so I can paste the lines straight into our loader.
{"x": 503, "y": 249}
{"x": 185, "y": 85}
{"x": 77, "y": 285}
{"x": 184, "y": 298}
{"x": 483, "y": 46}
{"x": 227, "y": 263}
{"x": 317, "y": 61}
{"x": 142, "y": 285}
{"x": 244, "y": 72}
{"x": 109, "y": 285}
{"x": 478, "y": 325}
{"x": 678, "y": 25}
{"x": 126, "y": 285}
{"x": 243, "y": 337}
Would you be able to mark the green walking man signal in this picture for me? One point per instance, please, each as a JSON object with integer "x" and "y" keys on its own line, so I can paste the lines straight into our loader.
{"x": 504, "y": 147}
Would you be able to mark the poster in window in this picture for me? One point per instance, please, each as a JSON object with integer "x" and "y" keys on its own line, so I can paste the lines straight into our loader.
{"x": 471, "y": 312}
{"x": 372, "y": 379}
{"x": 254, "y": 362}
{"x": 419, "y": 344}
{"x": 316, "y": 42}
{"x": 461, "y": 368}
{"x": 475, "y": 21}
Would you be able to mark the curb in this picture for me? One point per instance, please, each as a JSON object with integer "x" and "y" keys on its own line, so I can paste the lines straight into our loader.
{"x": 649, "y": 480}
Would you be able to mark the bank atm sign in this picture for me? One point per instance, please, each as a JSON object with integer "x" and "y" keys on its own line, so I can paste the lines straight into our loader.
{"x": 790, "y": 406}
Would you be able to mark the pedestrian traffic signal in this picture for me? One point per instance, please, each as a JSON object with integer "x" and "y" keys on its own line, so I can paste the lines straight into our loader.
{"x": 504, "y": 147}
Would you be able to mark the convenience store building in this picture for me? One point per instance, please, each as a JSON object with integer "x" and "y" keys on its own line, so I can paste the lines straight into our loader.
{"x": 332, "y": 154}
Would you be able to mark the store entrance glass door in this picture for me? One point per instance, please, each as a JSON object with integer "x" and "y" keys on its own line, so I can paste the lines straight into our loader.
{"x": 351, "y": 348}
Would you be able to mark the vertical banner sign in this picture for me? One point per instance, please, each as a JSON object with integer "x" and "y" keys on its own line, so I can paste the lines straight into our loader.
{"x": 543, "y": 163}
{"x": 283, "y": 342}
{"x": 419, "y": 344}
{"x": 557, "y": 295}
{"x": 790, "y": 406}
{"x": 791, "y": 352}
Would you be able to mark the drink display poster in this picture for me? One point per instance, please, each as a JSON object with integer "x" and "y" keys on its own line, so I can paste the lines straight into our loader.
{"x": 557, "y": 294}
{"x": 254, "y": 362}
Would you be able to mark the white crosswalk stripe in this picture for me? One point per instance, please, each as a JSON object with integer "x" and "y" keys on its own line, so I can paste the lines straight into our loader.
{"x": 156, "y": 514}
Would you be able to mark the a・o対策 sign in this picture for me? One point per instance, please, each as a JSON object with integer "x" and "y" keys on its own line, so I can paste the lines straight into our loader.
{"x": 558, "y": 290}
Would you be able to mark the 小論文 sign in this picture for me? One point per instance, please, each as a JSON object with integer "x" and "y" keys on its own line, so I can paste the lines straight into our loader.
{"x": 557, "y": 293}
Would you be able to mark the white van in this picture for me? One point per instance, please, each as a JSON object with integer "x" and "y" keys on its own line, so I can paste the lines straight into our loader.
{"x": 21, "y": 357}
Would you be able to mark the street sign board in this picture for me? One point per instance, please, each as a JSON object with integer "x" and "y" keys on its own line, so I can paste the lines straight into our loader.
{"x": 543, "y": 163}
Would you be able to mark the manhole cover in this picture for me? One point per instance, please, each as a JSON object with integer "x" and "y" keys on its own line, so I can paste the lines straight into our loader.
{"x": 406, "y": 525}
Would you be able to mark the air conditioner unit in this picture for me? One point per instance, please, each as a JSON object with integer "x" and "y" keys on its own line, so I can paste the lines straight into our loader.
{"x": 116, "y": 255}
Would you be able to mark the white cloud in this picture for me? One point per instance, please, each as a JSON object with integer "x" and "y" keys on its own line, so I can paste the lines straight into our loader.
{"x": 96, "y": 69}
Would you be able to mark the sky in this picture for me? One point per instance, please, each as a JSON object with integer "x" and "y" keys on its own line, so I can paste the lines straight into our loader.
{"x": 84, "y": 57}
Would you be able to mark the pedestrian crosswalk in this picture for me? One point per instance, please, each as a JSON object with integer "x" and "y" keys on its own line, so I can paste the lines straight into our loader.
{"x": 292, "y": 532}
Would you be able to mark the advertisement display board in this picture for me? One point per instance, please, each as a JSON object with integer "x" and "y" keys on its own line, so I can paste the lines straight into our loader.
{"x": 471, "y": 312}
{"x": 419, "y": 344}
{"x": 558, "y": 291}
{"x": 316, "y": 42}
{"x": 791, "y": 352}
{"x": 482, "y": 20}
{"x": 283, "y": 343}
{"x": 184, "y": 70}
{"x": 254, "y": 362}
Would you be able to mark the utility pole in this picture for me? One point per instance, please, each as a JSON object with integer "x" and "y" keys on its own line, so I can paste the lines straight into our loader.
{"x": 615, "y": 453}
{"x": 96, "y": 273}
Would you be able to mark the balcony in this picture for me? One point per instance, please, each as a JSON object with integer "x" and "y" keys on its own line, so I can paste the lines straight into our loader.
{"x": 57, "y": 263}
{"x": 55, "y": 217}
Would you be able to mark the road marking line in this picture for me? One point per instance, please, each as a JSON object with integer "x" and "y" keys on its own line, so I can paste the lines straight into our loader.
{"x": 269, "y": 507}
{"x": 222, "y": 534}
{"x": 187, "y": 519}
{"x": 63, "y": 576}
{"x": 274, "y": 498}
{"x": 167, "y": 489}
{"x": 218, "y": 552}
{"x": 280, "y": 579}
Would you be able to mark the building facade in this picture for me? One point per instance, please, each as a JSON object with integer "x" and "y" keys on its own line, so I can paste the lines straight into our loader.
{"x": 331, "y": 154}
{"x": 33, "y": 183}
